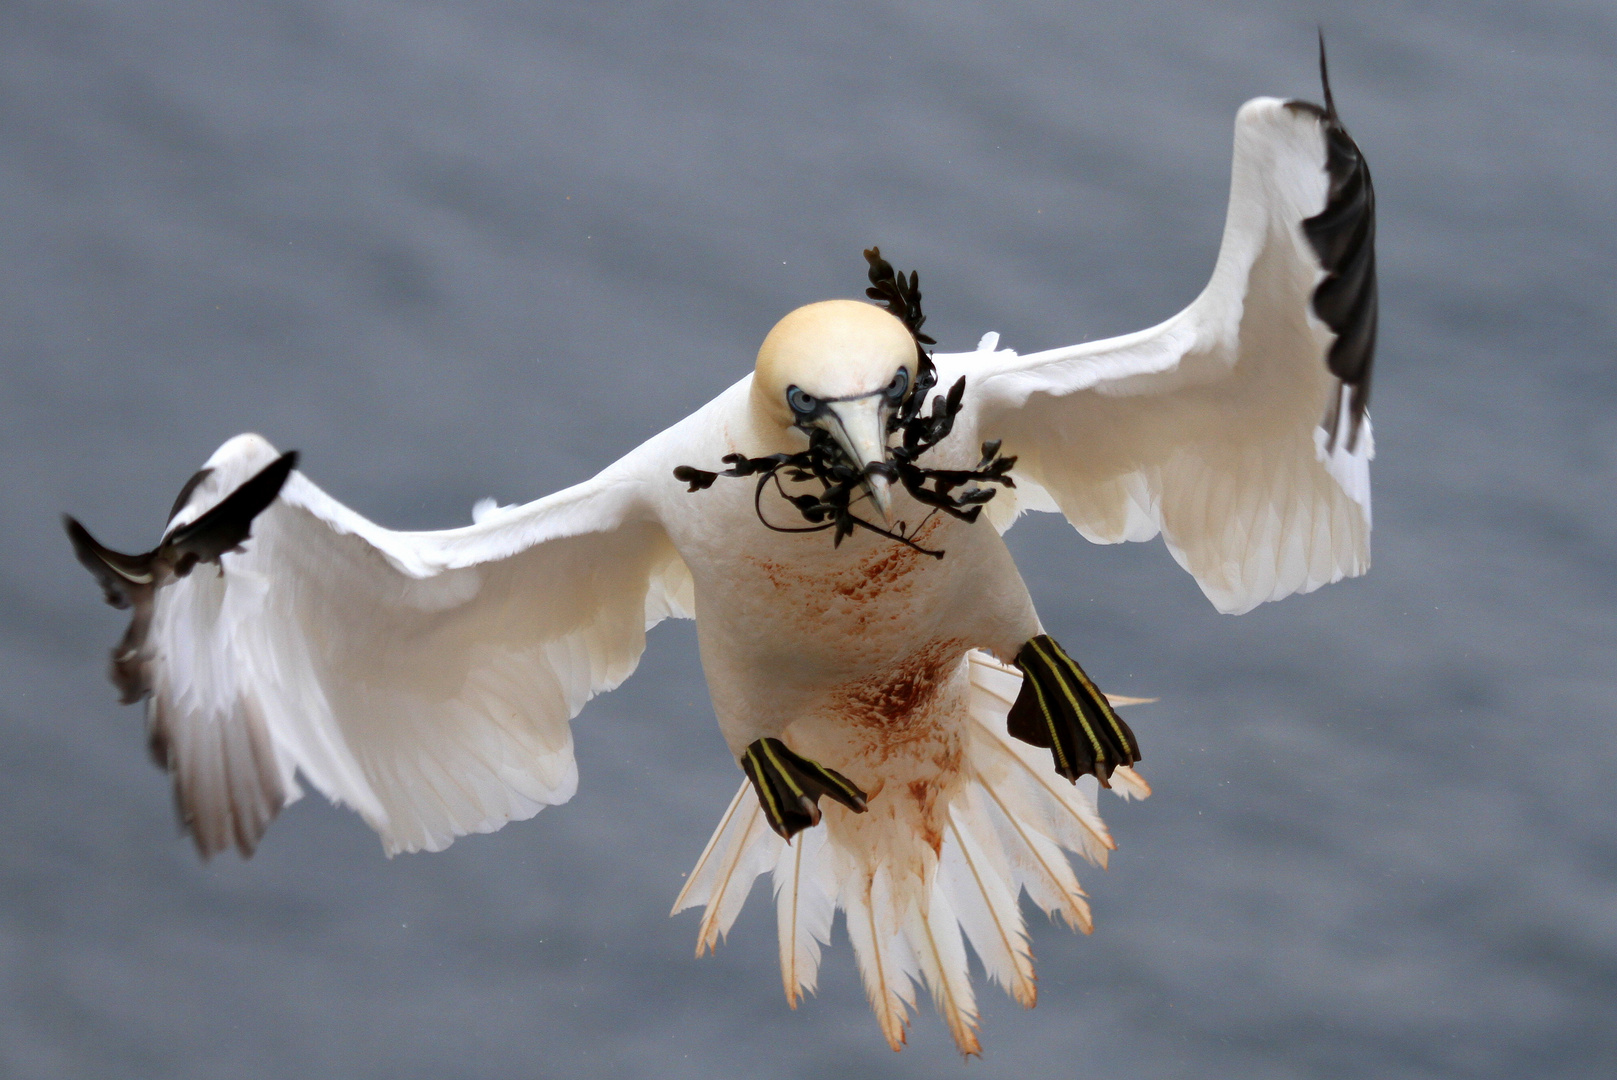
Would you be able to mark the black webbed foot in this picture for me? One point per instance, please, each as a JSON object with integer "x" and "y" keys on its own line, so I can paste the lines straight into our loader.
{"x": 789, "y": 787}
{"x": 1059, "y": 708}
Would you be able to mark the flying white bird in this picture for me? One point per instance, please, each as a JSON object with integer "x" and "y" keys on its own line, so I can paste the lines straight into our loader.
{"x": 911, "y": 739}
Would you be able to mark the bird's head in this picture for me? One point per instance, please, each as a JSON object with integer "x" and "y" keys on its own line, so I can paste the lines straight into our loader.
{"x": 840, "y": 365}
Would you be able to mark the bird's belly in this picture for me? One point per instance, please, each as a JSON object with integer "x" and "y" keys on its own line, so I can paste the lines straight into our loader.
{"x": 901, "y": 735}
{"x": 799, "y": 608}
{"x": 863, "y": 637}
{"x": 857, "y": 662}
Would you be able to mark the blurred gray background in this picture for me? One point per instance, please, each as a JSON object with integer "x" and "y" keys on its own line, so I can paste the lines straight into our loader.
{"x": 451, "y": 250}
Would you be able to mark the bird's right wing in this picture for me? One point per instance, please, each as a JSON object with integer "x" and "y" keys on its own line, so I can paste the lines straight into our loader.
{"x": 424, "y": 679}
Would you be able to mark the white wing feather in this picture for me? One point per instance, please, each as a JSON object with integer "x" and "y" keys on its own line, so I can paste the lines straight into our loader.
{"x": 1208, "y": 427}
{"x": 424, "y": 679}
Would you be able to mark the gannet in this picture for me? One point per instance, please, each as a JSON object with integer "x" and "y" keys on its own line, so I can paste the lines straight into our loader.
{"x": 916, "y": 750}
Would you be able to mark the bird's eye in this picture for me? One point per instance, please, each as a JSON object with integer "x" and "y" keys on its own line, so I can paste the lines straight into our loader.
{"x": 802, "y": 404}
{"x": 901, "y": 382}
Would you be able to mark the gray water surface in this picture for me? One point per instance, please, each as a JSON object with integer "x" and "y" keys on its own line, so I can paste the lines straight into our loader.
{"x": 482, "y": 248}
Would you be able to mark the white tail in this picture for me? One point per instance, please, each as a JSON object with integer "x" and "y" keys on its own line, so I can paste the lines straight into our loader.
{"x": 911, "y": 905}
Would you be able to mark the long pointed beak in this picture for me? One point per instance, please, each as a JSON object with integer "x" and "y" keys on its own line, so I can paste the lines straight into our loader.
{"x": 858, "y": 427}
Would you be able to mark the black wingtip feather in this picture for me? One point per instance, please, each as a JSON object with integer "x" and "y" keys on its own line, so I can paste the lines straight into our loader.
{"x": 1325, "y": 78}
{"x": 1343, "y": 236}
{"x": 227, "y": 525}
{"x": 120, "y": 576}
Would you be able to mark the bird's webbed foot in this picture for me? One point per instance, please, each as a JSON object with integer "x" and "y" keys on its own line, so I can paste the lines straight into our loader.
{"x": 1059, "y": 708}
{"x": 789, "y": 786}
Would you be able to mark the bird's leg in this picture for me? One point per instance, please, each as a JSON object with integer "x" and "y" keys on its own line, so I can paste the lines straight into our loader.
{"x": 1059, "y": 708}
{"x": 789, "y": 786}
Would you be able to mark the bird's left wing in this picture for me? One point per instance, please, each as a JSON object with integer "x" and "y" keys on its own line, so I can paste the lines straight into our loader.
{"x": 1237, "y": 428}
{"x": 424, "y": 679}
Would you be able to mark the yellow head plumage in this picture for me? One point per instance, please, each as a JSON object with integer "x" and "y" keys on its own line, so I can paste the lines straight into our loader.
{"x": 833, "y": 350}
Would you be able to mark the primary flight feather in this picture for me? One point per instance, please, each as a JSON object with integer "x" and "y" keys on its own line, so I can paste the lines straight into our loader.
{"x": 917, "y": 750}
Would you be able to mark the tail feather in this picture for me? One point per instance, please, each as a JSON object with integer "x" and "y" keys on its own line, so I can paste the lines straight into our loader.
{"x": 985, "y": 904}
{"x": 741, "y": 848}
{"x": 805, "y": 904}
{"x": 912, "y": 903}
{"x": 943, "y": 962}
{"x": 1037, "y": 864}
{"x": 1063, "y": 811}
{"x": 887, "y": 963}
{"x": 1129, "y": 784}
{"x": 699, "y": 882}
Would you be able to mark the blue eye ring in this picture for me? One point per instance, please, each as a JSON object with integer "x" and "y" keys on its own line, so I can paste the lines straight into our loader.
{"x": 895, "y": 389}
{"x": 801, "y": 403}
